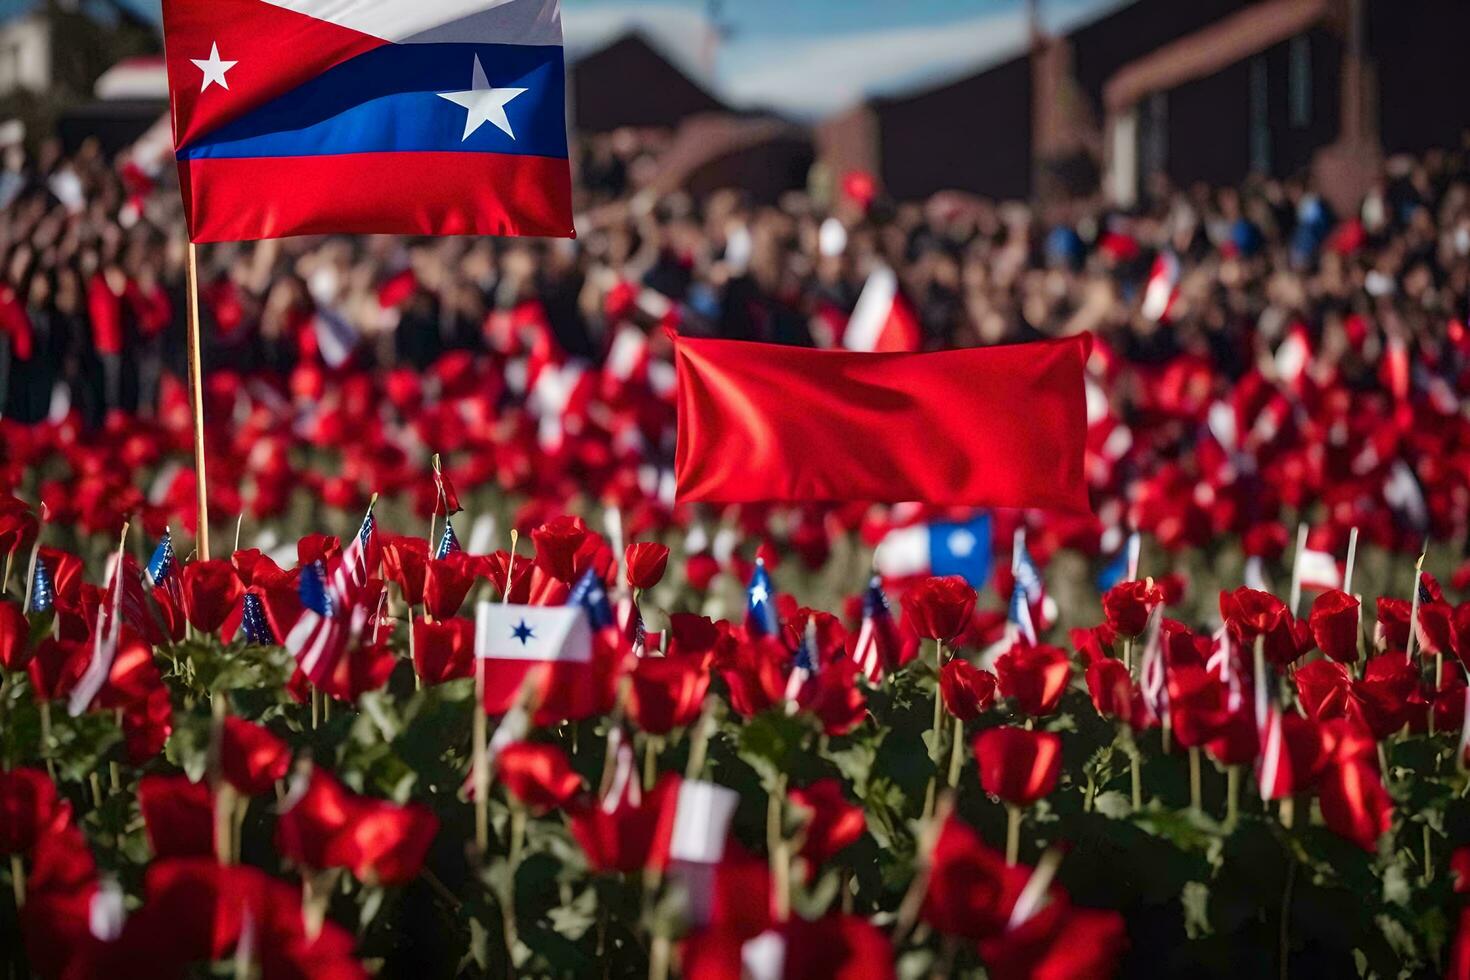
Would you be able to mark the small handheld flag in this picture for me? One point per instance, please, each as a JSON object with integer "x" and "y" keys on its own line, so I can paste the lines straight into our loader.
{"x": 760, "y": 603}
{"x": 253, "y": 625}
{"x": 591, "y": 595}
{"x": 448, "y": 542}
{"x": 938, "y": 548}
{"x": 43, "y": 590}
{"x": 878, "y": 643}
{"x": 161, "y": 565}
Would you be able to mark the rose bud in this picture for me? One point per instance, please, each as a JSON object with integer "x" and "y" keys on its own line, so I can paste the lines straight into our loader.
{"x": 834, "y": 822}
{"x": 211, "y": 590}
{"x": 1126, "y": 606}
{"x": 556, "y": 543}
{"x": 251, "y": 758}
{"x": 1035, "y": 677}
{"x": 967, "y": 689}
{"x": 1334, "y": 622}
{"x": 1018, "y": 765}
{"x": 15, "y": 639}
{"x": 179, "y": 816}
{"x": 667, "y": 692}
{"x": 939, "y": 608}
{"x": 646, "y": 562}
{"x": 539, "y": 776}
{"x": 444, "y": 650}
{"x": 1111, "y": 688}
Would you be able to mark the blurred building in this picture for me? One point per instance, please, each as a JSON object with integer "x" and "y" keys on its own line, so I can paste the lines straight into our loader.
{"x": 53, "y": 51}
{"x": 630, "y": 82}
{"x": 1204, "y": 90}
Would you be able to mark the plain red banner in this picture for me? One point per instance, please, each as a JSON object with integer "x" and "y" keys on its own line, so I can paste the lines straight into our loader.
{"x": 988, "y": 427}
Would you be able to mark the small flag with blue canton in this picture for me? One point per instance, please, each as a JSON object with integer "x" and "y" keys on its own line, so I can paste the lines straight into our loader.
{"x": 760, "y": 608}
{"x": 804, "y": 663}
{"x": 1028, "y": 577}
{"x": 1019, "y": 614}
{"x": 43, "y": 590}
{"x": 1122, "y": 567}
{"x": 161, "y": 565}
{"x": 591, "y": 595}
{"x": 253, "y": 623}
{"x": 449, "y": 543}
{"x": 313, "y": 589}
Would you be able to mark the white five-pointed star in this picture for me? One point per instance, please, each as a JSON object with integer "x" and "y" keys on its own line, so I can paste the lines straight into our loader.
{"x": 214, "y": 69}
{"x": 483, "y": 104}
{"x": 758, "y": 594}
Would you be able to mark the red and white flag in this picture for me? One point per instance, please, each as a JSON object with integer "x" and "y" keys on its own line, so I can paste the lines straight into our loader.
{"x": 1162, "y": 289}
{"x": 883, "y": 320}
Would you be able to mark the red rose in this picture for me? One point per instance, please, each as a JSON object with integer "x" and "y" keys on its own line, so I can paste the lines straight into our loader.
{"x": 834, "y": 697}
{"x": 971, "y": 890}
{"x": 556, "y": 543}
{"x": 1035, "y": 677}
{"x": 668, "y": 692}
{"x": 1111, "y": 688}
{"x": 179, "y": 816}
{"x": 446, "y": 582}
{"x": 1018, "y": 765}
{"x": 939, "y": 608}
{"x": 620, "y": 835}
{"x": 1392, "y": 632}
{"x": 15, "y": 637}
{"x": 1249, "y": 614}
{"x": 834, "y": 822}
{"x": 1197, "y": 705}
{"x": 834, "y": 947}
{"x": 1060, "y": 940}
{"x": 29, "y": 809}
{"x": 404, "y": 561}
{"x": 646, "y": 562}
{"x": 444, "y": 650}
{"x": 967, "y": 689}
{"x": 251, "y": 758}
{"x": 1126, "y": 606}
{"x": 211, "y": 589}
{"x": 326, "y": 825}
{"x": 1334, "y": 622}
{"x": 1355, "y": 806}
{"x": 538, "y": 775}
{"x": 700, "y": 570}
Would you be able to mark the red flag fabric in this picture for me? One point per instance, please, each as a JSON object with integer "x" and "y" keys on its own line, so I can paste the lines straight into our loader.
{"x": 990, "y": 427}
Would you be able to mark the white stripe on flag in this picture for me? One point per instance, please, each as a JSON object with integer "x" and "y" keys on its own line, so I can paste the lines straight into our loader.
{"x": 541, "y": 633}
{"x": 702, "y": 816}
{"x": 874, "y": 306}
{"x": 443, "y": 21}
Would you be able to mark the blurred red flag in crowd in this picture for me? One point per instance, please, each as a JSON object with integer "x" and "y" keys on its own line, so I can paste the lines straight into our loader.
{"x": 996, "y": 427}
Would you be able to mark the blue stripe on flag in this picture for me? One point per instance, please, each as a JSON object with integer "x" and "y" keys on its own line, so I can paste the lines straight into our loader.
{"x": 388, "y": 100}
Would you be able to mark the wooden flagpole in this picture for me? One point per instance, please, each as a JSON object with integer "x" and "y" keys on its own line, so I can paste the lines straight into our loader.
{"x": 196, "y": 400}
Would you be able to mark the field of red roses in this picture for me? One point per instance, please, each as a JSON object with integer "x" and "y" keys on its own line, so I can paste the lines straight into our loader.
{"x": 1128, "y": 796}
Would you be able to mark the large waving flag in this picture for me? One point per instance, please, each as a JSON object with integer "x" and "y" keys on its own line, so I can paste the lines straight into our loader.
{"x": 435, "y": 117}
{"x": 989, "y": 427}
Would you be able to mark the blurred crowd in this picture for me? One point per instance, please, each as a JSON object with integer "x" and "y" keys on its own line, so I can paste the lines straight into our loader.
{"x": 1250, "y": 339}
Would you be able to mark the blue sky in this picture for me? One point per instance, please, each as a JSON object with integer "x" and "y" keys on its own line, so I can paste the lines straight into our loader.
{"x": 812, "y": 57}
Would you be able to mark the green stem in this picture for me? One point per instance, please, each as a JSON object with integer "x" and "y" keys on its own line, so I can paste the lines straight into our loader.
{"x": 1232, "y": 796}
{"x": 1194, "y": 779}
{"x": 1013, "y": 834}
{"x": 956, "y": 753}
{"x": 1284, "y": 938}
{"x": 931, "y": 793}
{"x": 18, "y": 881}
{"x": 1135, "y": 769}
{"x": 779, "y": 849}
